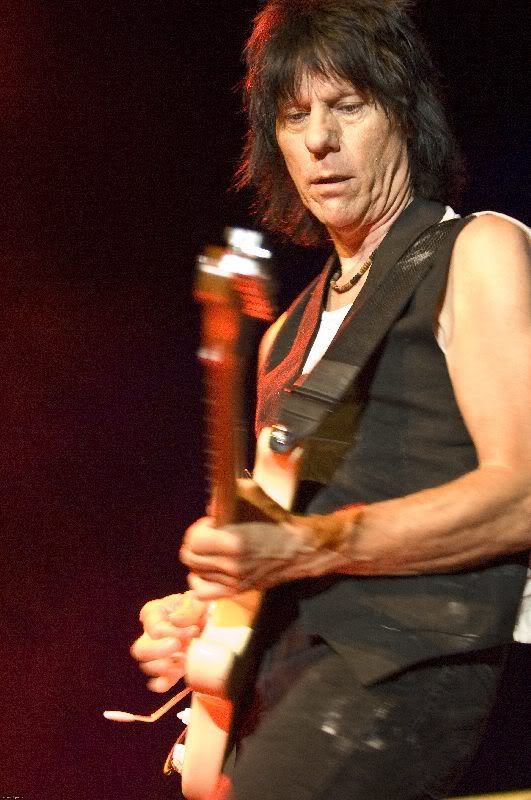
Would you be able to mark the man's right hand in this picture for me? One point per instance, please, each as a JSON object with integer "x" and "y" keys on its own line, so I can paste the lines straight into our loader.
{"x": 169, "y": 625}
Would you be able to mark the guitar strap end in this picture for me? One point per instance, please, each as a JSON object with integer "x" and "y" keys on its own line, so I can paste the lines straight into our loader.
{"x": 307, "y": 405}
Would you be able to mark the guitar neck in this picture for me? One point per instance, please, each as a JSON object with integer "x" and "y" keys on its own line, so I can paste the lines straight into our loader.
{"x": 232, "y": 287}
{"x": 223, "y": 404}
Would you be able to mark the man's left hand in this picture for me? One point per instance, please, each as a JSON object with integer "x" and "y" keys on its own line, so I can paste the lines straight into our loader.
{"x": 253, "y": 555}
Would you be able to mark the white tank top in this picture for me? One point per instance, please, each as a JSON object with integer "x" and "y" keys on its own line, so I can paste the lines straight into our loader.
{"x": 328, "y": 327}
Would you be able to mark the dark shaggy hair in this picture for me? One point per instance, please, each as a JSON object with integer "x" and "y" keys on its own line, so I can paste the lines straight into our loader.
{"x": 372, "y": 44}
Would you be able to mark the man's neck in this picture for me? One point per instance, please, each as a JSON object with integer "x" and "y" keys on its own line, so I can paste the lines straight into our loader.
{"x": 353, "y": 261}
{"x": 355, "y": 247}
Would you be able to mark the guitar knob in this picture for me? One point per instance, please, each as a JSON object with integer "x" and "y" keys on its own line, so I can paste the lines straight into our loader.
{"x": 281, "y": 439}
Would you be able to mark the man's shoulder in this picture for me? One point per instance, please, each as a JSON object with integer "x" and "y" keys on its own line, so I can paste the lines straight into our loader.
{"x": 489, "y": 225}
{"x": 500, "y": 220}
{"x": 484, "y": 223}
{"x": 491, "y": 236}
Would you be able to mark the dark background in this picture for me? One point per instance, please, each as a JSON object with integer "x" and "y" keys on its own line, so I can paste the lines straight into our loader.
{"x": 119, "y": 132}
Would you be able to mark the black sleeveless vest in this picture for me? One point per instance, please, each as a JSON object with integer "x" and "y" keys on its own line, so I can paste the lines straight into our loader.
{"x": 409, "y": 436}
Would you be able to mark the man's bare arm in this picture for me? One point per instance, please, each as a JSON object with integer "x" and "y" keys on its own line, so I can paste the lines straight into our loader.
{"x": 487, "y": 512}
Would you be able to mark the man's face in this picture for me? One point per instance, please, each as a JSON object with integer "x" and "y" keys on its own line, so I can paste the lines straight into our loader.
{"x": 346, "y": 157}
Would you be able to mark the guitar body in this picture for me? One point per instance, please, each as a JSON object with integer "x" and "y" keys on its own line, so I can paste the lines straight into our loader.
{"x": 206, "y": 738}
{"x": 210, "y": 656}
{"x": 208, "y": 663}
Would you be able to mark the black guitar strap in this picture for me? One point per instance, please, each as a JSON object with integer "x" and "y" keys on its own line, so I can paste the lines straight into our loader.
{"x": 306, "y": 406}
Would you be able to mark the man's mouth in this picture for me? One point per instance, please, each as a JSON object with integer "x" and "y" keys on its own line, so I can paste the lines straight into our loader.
{"x": 330, "y": 179}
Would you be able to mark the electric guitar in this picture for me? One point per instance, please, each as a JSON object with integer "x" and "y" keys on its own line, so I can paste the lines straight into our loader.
{"x": 233, "y": 289}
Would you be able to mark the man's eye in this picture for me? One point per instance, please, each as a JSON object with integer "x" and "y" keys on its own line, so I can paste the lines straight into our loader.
{"x": 293, "y": 117}
{"x": 350, "y": 108}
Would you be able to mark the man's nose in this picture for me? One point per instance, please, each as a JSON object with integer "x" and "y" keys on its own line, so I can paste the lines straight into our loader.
{"x": 322, "y": 132}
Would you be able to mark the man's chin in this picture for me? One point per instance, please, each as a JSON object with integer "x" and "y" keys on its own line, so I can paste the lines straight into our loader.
{"x": 339, "y": 220}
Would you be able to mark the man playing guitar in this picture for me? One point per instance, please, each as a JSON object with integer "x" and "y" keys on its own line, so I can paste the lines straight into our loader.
{"x": 392, "y": 590}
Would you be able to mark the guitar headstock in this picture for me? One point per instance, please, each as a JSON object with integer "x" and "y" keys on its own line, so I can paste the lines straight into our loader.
{"x": 237, "y": 276}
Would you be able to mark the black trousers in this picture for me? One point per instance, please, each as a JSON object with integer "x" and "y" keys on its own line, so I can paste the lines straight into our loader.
{"x": 316, "y": 733}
